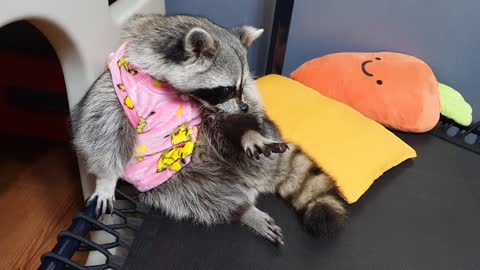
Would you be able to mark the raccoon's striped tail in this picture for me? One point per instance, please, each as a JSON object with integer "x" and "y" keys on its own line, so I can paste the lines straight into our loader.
{"x": 313, "y": 194}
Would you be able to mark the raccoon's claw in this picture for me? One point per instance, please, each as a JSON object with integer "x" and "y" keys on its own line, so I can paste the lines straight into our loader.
{"x": 257, "y": 152}
{"x": 274, "y": 233}
{"x": 249, "y": 153}
{"x": 277, "y": 147}
{"x": 104, "y": 203}
{"x": 266, "y": 149}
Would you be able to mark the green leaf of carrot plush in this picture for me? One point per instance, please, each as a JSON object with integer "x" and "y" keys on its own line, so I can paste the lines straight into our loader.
{"x": 454, "y": 106}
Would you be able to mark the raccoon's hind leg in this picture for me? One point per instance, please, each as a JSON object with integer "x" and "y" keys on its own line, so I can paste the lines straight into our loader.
{"x": 104, "y": 139}
{"x": 195, "y": 193}
{"x": 263, "y": 224}
{"x": 313, "y": 194}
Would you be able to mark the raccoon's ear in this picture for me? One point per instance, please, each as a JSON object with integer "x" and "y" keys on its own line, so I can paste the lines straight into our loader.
{"x": 247, "y": 34}
{"x": 199, "y": 42}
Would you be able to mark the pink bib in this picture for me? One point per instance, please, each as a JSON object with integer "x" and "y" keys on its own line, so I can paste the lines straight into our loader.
{"x": 165, "y": 121}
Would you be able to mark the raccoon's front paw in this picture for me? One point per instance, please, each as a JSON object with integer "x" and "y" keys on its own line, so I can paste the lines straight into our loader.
{"x": 255, "y": 144}
{"x": 266, "y": 149}
{"x": 105, "y": 201}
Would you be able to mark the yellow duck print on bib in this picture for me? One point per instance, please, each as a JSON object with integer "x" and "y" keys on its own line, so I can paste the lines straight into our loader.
{"x": 181, "y": 134}
{"x": 124, "y": 63}
{"x": 173, "y": 159}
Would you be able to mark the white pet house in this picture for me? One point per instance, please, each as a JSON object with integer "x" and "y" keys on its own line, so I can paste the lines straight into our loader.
{"x": 82, "y": 33}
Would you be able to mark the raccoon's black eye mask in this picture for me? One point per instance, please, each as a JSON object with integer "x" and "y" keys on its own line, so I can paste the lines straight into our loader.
{"x": 216, "y": 95}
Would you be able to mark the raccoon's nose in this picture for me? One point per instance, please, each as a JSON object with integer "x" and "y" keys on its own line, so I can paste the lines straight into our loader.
{"x": 243, "y": 107}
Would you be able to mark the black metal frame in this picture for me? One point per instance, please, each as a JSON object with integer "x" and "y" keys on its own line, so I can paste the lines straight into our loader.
{"x": 279, "y": 38}
{"x": 460, "y": 136}
{"x": 75, "y": 237}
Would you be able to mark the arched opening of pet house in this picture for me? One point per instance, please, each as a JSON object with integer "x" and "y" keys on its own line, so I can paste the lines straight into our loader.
{"x": 40, "y": 184}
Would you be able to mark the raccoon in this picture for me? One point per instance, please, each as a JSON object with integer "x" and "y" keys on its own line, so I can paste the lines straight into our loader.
{"x": 239, "y": 153}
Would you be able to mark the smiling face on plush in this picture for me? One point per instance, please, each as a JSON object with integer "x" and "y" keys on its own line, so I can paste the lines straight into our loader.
{"x": 365, "y": 71}
{"x": 396, "y": 90}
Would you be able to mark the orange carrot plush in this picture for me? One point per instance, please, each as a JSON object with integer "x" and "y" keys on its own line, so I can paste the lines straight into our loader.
{"x": 396, "y": 90}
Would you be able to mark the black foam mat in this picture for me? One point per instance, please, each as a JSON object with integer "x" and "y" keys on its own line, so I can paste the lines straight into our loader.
{"x": 422, "y": 214}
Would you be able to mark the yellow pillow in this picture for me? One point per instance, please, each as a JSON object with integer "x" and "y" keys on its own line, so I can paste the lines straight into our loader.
{"x": 353, "y": 149}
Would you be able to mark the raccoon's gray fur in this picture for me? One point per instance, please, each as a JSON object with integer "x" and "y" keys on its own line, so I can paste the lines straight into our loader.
{"x": 239, "y": 152}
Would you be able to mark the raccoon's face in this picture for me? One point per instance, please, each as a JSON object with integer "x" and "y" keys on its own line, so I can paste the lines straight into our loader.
{"x": 196, "y": 57}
